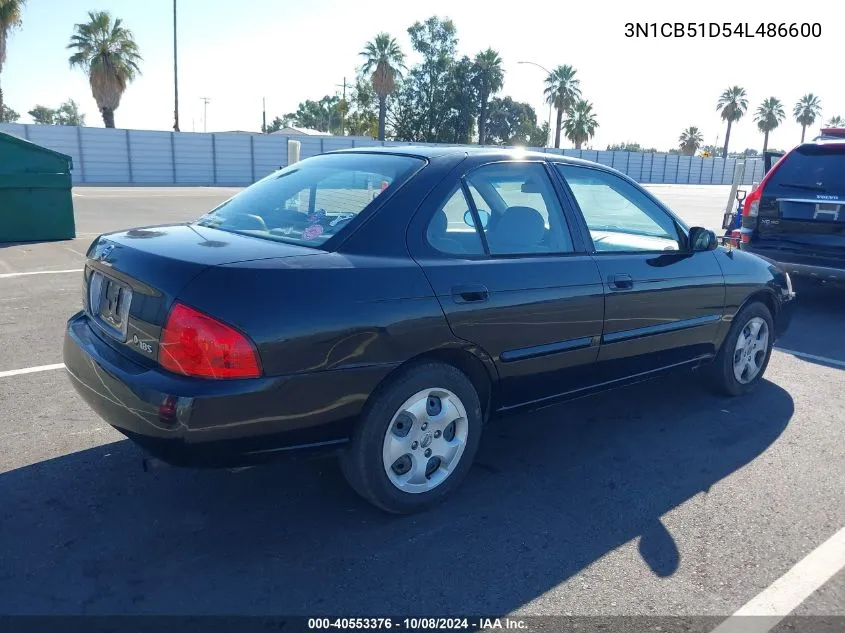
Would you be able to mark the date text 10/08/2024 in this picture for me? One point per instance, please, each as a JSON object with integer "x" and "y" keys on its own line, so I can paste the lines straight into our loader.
{"x": 418, "y": 624}
{"x": 723, "y": 29}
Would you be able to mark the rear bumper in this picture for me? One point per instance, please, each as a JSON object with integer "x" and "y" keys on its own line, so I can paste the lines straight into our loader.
{"x": 204, "y": 423}
{"x": 800, "y": 264}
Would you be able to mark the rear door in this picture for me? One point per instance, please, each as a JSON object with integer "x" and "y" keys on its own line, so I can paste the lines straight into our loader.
{"x": 520, "y": 288}
{"x": 802, "y": 208}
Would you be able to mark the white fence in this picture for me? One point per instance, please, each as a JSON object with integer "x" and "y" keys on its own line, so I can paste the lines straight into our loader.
{"x": 136, "y": 157}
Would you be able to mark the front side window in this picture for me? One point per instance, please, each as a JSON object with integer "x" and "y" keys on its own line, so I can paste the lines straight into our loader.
{"x": 619, "y": 216}
{"x": 309, "y": 202}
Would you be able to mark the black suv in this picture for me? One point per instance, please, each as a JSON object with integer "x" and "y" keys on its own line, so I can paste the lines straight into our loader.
{"x": 796, "y": 215}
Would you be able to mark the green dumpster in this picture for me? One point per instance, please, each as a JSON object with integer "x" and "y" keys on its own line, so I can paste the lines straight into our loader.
{"x": 35, "y": 198}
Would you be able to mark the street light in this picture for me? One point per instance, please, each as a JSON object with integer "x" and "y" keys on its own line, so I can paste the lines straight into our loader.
{"x": 548, "y": 72}
{"x": 175, "y": 76}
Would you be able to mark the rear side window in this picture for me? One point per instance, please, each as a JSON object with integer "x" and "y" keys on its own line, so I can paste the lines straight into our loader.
{"x": 815, "y": 168}
{"x": 311, "y": 201}
{"x": 449, "y": 232}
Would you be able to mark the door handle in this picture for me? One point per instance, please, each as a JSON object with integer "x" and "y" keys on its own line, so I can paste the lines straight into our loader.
{"x": 620, "y": 281}
{"x": 469, "y": 293}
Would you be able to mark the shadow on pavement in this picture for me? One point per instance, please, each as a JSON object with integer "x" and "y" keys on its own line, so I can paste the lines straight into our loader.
{"x": 816, "y": 326}
{"x": 551, "y": 493}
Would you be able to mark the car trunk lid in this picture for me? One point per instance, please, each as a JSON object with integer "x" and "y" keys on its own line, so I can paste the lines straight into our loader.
{"x": 133, "y": 277}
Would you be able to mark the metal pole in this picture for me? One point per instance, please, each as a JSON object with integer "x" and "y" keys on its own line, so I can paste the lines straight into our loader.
{"x": 205, "y": 101}
{"x": 175, "y": 75}
{"x": 263, "y": 115}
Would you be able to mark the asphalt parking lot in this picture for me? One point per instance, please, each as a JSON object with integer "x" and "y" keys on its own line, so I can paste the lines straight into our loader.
{"x": 660, "y": 500}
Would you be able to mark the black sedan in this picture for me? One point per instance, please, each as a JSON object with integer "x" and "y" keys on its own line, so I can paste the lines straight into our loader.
{"x": 383, "y": 304}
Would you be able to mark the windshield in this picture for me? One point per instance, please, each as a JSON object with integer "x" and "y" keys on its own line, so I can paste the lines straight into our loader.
{"x": 811, "y": 168}
{"x": 310, "y": 201}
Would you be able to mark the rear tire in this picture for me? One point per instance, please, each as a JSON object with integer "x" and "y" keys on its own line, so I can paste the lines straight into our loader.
{"x": 416, "y": 439}
{"x": 741, "y": 362}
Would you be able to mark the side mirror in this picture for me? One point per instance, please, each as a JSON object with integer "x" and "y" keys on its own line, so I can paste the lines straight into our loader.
{"x": 701, "y": 239}
{"x": 484, "y": 216}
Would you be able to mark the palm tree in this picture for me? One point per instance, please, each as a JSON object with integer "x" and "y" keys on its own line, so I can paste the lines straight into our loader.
{"x": 806, "y": 110}
{"x": 769, "y": 115}
{"x": 10, "y": 17}
{"x": 562, "y": 91}
{"x": 108, "y": 53}
{"x": 488, "y": 78}
{"x": 732, "y": 104}
{"x": 385, "y": 60}
{"x": 690, "y": 140}
{"x": 581, "y": 124}
{"x": 836, "y": 121}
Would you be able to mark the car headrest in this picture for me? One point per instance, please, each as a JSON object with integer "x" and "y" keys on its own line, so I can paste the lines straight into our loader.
{"x": 519, "y": 226}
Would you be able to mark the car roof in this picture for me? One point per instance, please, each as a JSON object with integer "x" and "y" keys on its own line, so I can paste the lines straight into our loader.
{"x": 823, "y": 141}
{"x": 494, "y": 153}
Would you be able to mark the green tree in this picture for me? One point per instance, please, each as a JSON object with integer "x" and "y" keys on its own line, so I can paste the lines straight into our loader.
{"x": 836, "y": 121}
{"x": 562, "y": 91}
{"x": 68, "y": 114}
{"x": 384, "y": 62}
{"x": 10, "y": 18}
{"x": 276, "y": 124}
{"x": 462, "y": 103}
{"x": 808, "y": 108}
{"x": 7, "y": 115}
{"x": 580, "y": 126}
{"x": 732, "y": 105}
{"x": 690, "y": 140}
{"x": 488, "y": 78}
{"x": 436, "y": 41}
{"x": 42, "y": 115}
{"x": 631, "y": 147}
{"x": 362, "y": 119}
{"x": 107, "y": 52}
{"x": 769, "y": 115}
{"x": 513, "y": 123}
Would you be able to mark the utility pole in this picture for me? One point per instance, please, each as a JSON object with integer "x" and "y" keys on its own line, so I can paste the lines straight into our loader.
{"x": 175, "y": 76}
{"x": 263, "y": 115}
{"x": 343, "y": 107}
{"x": 205, "y": 101}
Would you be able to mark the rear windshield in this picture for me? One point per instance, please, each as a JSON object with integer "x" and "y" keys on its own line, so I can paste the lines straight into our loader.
{"x": 812, "y": 168}
{"x": 312, "y": 200}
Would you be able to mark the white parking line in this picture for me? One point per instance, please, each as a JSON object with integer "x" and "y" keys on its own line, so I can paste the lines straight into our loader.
{"x": 30, "y": 370}
{"x": 782, "y": 597}
{"x": 821, "y": 359}
{"x": 41, "y": 272}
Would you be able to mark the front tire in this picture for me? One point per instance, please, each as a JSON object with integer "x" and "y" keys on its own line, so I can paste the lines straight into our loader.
{"x": 740, "y": 364}
{"x": 416, "y": 439}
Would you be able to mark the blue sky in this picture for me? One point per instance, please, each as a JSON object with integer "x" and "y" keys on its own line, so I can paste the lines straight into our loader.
{"x": 289, "y": 50}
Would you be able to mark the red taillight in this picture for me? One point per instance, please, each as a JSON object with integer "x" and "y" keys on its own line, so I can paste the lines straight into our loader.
{"x": 751, "y": 205}
{"x": 195, "y": 344}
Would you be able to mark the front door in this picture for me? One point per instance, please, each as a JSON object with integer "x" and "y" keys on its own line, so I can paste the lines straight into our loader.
{"x": 663, "y": 303}
{"x": 497, "y": 250}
